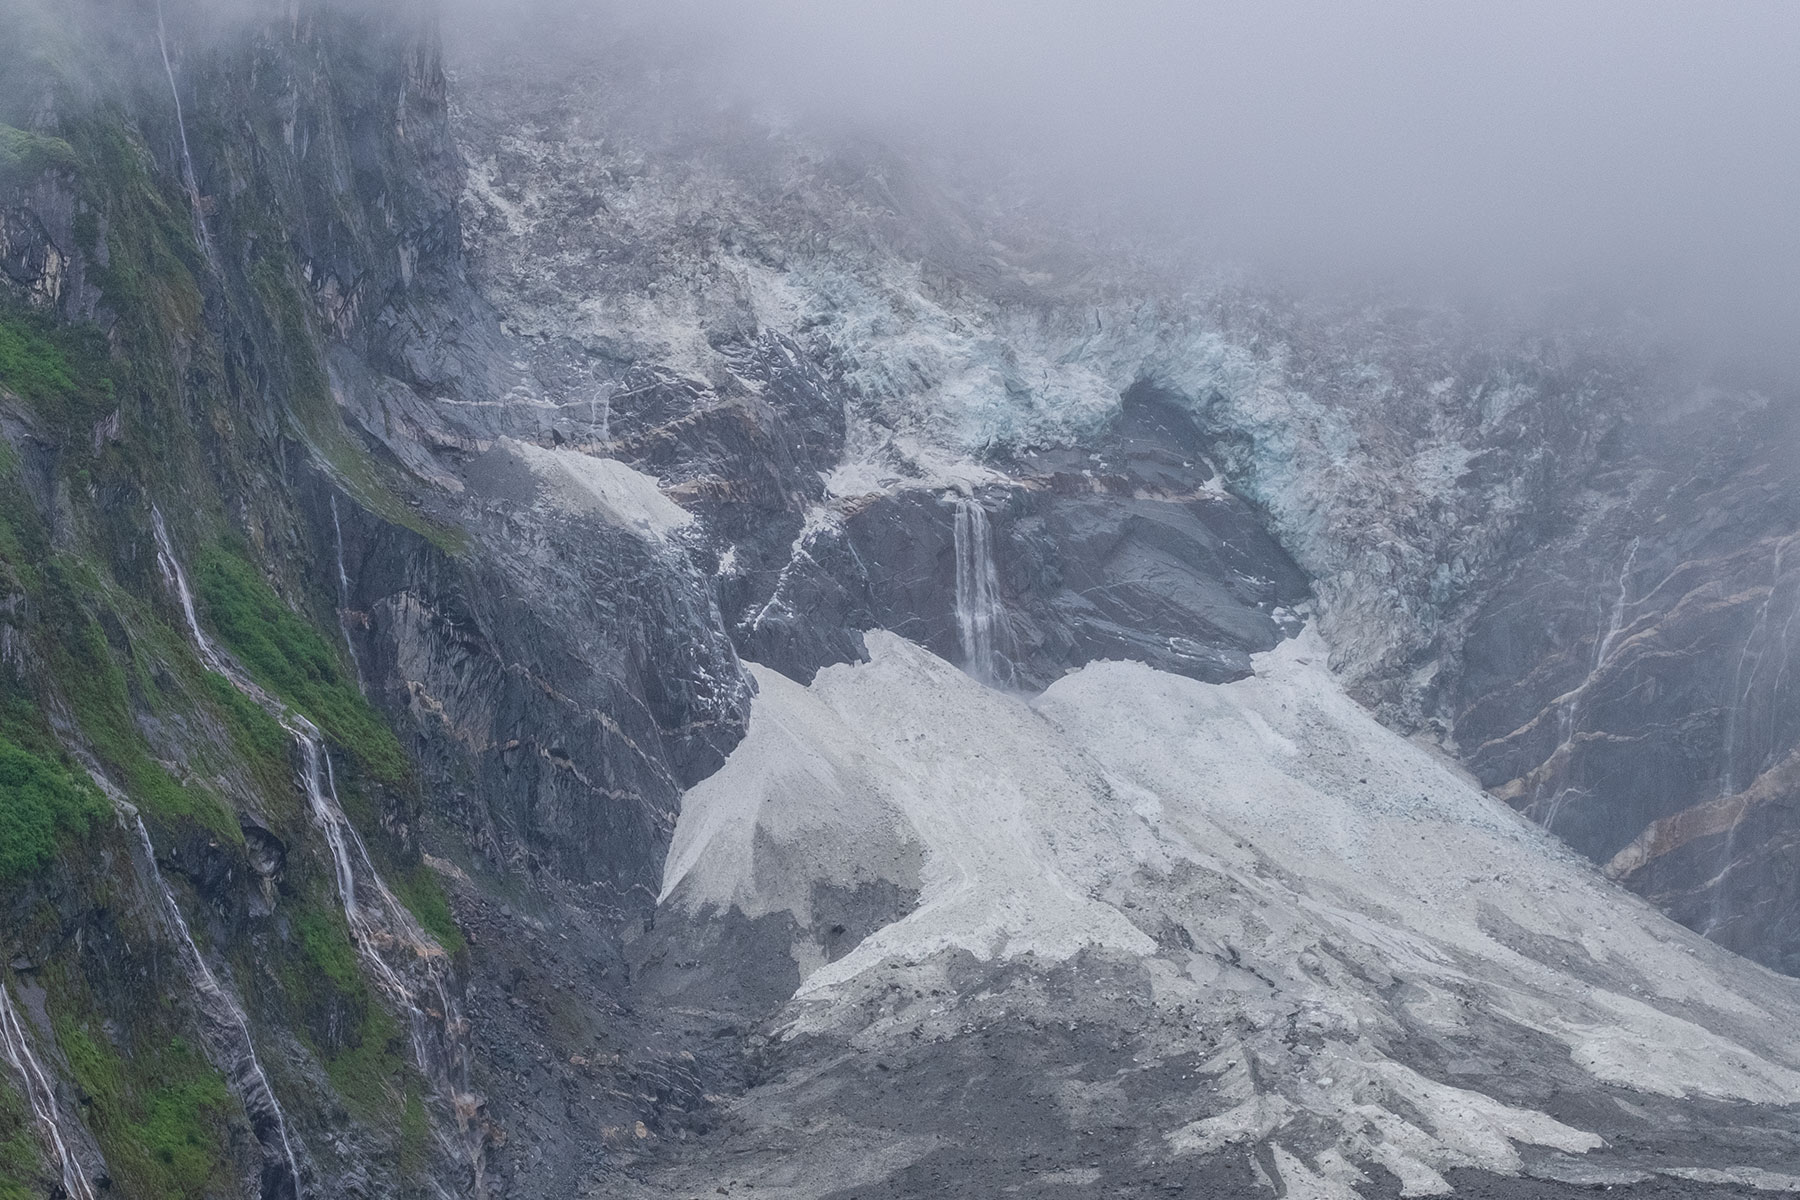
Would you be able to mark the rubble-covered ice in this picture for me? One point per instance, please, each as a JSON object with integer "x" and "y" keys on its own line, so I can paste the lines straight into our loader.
{"x": 1271, "y": 858}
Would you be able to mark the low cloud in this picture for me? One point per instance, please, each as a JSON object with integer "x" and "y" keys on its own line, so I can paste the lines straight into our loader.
{"x": 1643, "y": 153}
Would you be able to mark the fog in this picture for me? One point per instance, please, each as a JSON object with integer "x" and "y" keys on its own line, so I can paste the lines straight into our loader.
{"x": 1641, "y": 153}
{"x": 1644, "y": 152}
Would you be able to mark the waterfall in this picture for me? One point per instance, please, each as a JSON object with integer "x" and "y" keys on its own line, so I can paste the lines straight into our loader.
{"x": 1571, "y": 701}
{"x": 176, "y": 578}
{"x": 337, "y": 529}
{"x": 380, "y": 926}
{"x": 436, "y": 1028}
{"x": 188, "y": 178}
{"x": 606, "y": 421}
{"x": 227, "y": 1035}
{"x": 980, "y": 613}
{"x": 1742, "y": 686}
{"x": 41, "y": 1096}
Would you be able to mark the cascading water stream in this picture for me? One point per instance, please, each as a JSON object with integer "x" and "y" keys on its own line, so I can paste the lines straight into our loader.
{"x": 1571, "y": 702}
{"x": 227, "y": 1035}
{"x": 16, "y": 1049}
{"x": 337, "y": 530}
{"x": 980, "y": 613}
{"x": 189, "y": 180}
{"x": 1781, "y": 666}
{"x": 436, "y": 1028}
{"x": 1742, "y": 686}
{"x": 600, "y": 416}
{"x": 379, "y": 923}
{"x": 176, "y": 578}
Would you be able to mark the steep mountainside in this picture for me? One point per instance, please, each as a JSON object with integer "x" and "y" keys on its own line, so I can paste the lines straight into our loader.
{"x": 1463, "y": 497}
{"x": 558, "y": 641}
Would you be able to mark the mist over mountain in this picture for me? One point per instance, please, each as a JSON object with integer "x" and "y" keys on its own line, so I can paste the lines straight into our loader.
{"x": 898, "y": 600}
{"x": 1638, "y": 157}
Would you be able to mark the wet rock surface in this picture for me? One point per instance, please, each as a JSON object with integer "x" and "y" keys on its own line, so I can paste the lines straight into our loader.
{"x": 609, "y": 404}
{"x": 1628, "y": 686}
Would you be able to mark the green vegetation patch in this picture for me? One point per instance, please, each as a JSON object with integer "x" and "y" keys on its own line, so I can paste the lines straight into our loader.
{"x": 24, "y": 154}
{"x": 371, "y": 1071}
{"x": 415, "y": 1137}
{"x": 20, "y": 1165}
{"x": 61, "y": 370}
{"x": 22, "y": 541}
{"x": 94, "y": 683}
{"x": 42, "y": 801}
{"x": 30, "y": 364}
{"x": 259, "y": 741}
{"x": 325, "y": 940}
{"x": 160, "y": 1116}
{"x": 422, "y": 892}
{"x": 362, "y": 1046}
{"x": 289, "y": 657}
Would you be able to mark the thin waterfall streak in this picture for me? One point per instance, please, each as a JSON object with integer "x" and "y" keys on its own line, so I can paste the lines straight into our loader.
{"x": 376, "y": 918}
{"x": 1787, "y": 627}
{"x": 176, "y": 578}
{"x": 188, "y": 178}
{"x": 398, "y": 914}
{"x": 337, "y": 529}
{"x": 1568, "y": 723}
{"x": 41, "y": 1096}
{"x": 232, "y": 1026}
{"x": 1741, "y": 687}
{"x": 407, "y": 928}
{"x": 600, "y": 416}
{"x": 1616, "y": 624}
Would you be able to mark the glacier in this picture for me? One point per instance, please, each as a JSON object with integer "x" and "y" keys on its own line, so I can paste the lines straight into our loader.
{"x": 1303, "y": 896}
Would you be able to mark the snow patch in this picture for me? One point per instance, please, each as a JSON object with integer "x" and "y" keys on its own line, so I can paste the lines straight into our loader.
{"x": 578, "y": 482}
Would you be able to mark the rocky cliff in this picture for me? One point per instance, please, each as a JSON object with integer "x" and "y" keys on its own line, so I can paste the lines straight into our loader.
{"x": 560, "y": 641}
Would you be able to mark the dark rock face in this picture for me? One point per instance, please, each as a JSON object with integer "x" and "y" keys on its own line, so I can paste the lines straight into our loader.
{"x": 563, "y": 733}
{"x": 1089, "y": 568}
{"x": 40, "y": 262}
{"x": 1630, "y": 686}
{"x": 1121, "y": 551}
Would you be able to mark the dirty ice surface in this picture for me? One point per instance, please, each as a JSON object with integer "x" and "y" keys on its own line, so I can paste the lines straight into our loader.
{"x": 1376, "y": 893}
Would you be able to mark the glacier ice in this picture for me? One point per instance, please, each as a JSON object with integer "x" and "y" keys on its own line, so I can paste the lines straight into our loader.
{"x": 1320, "y": 867}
